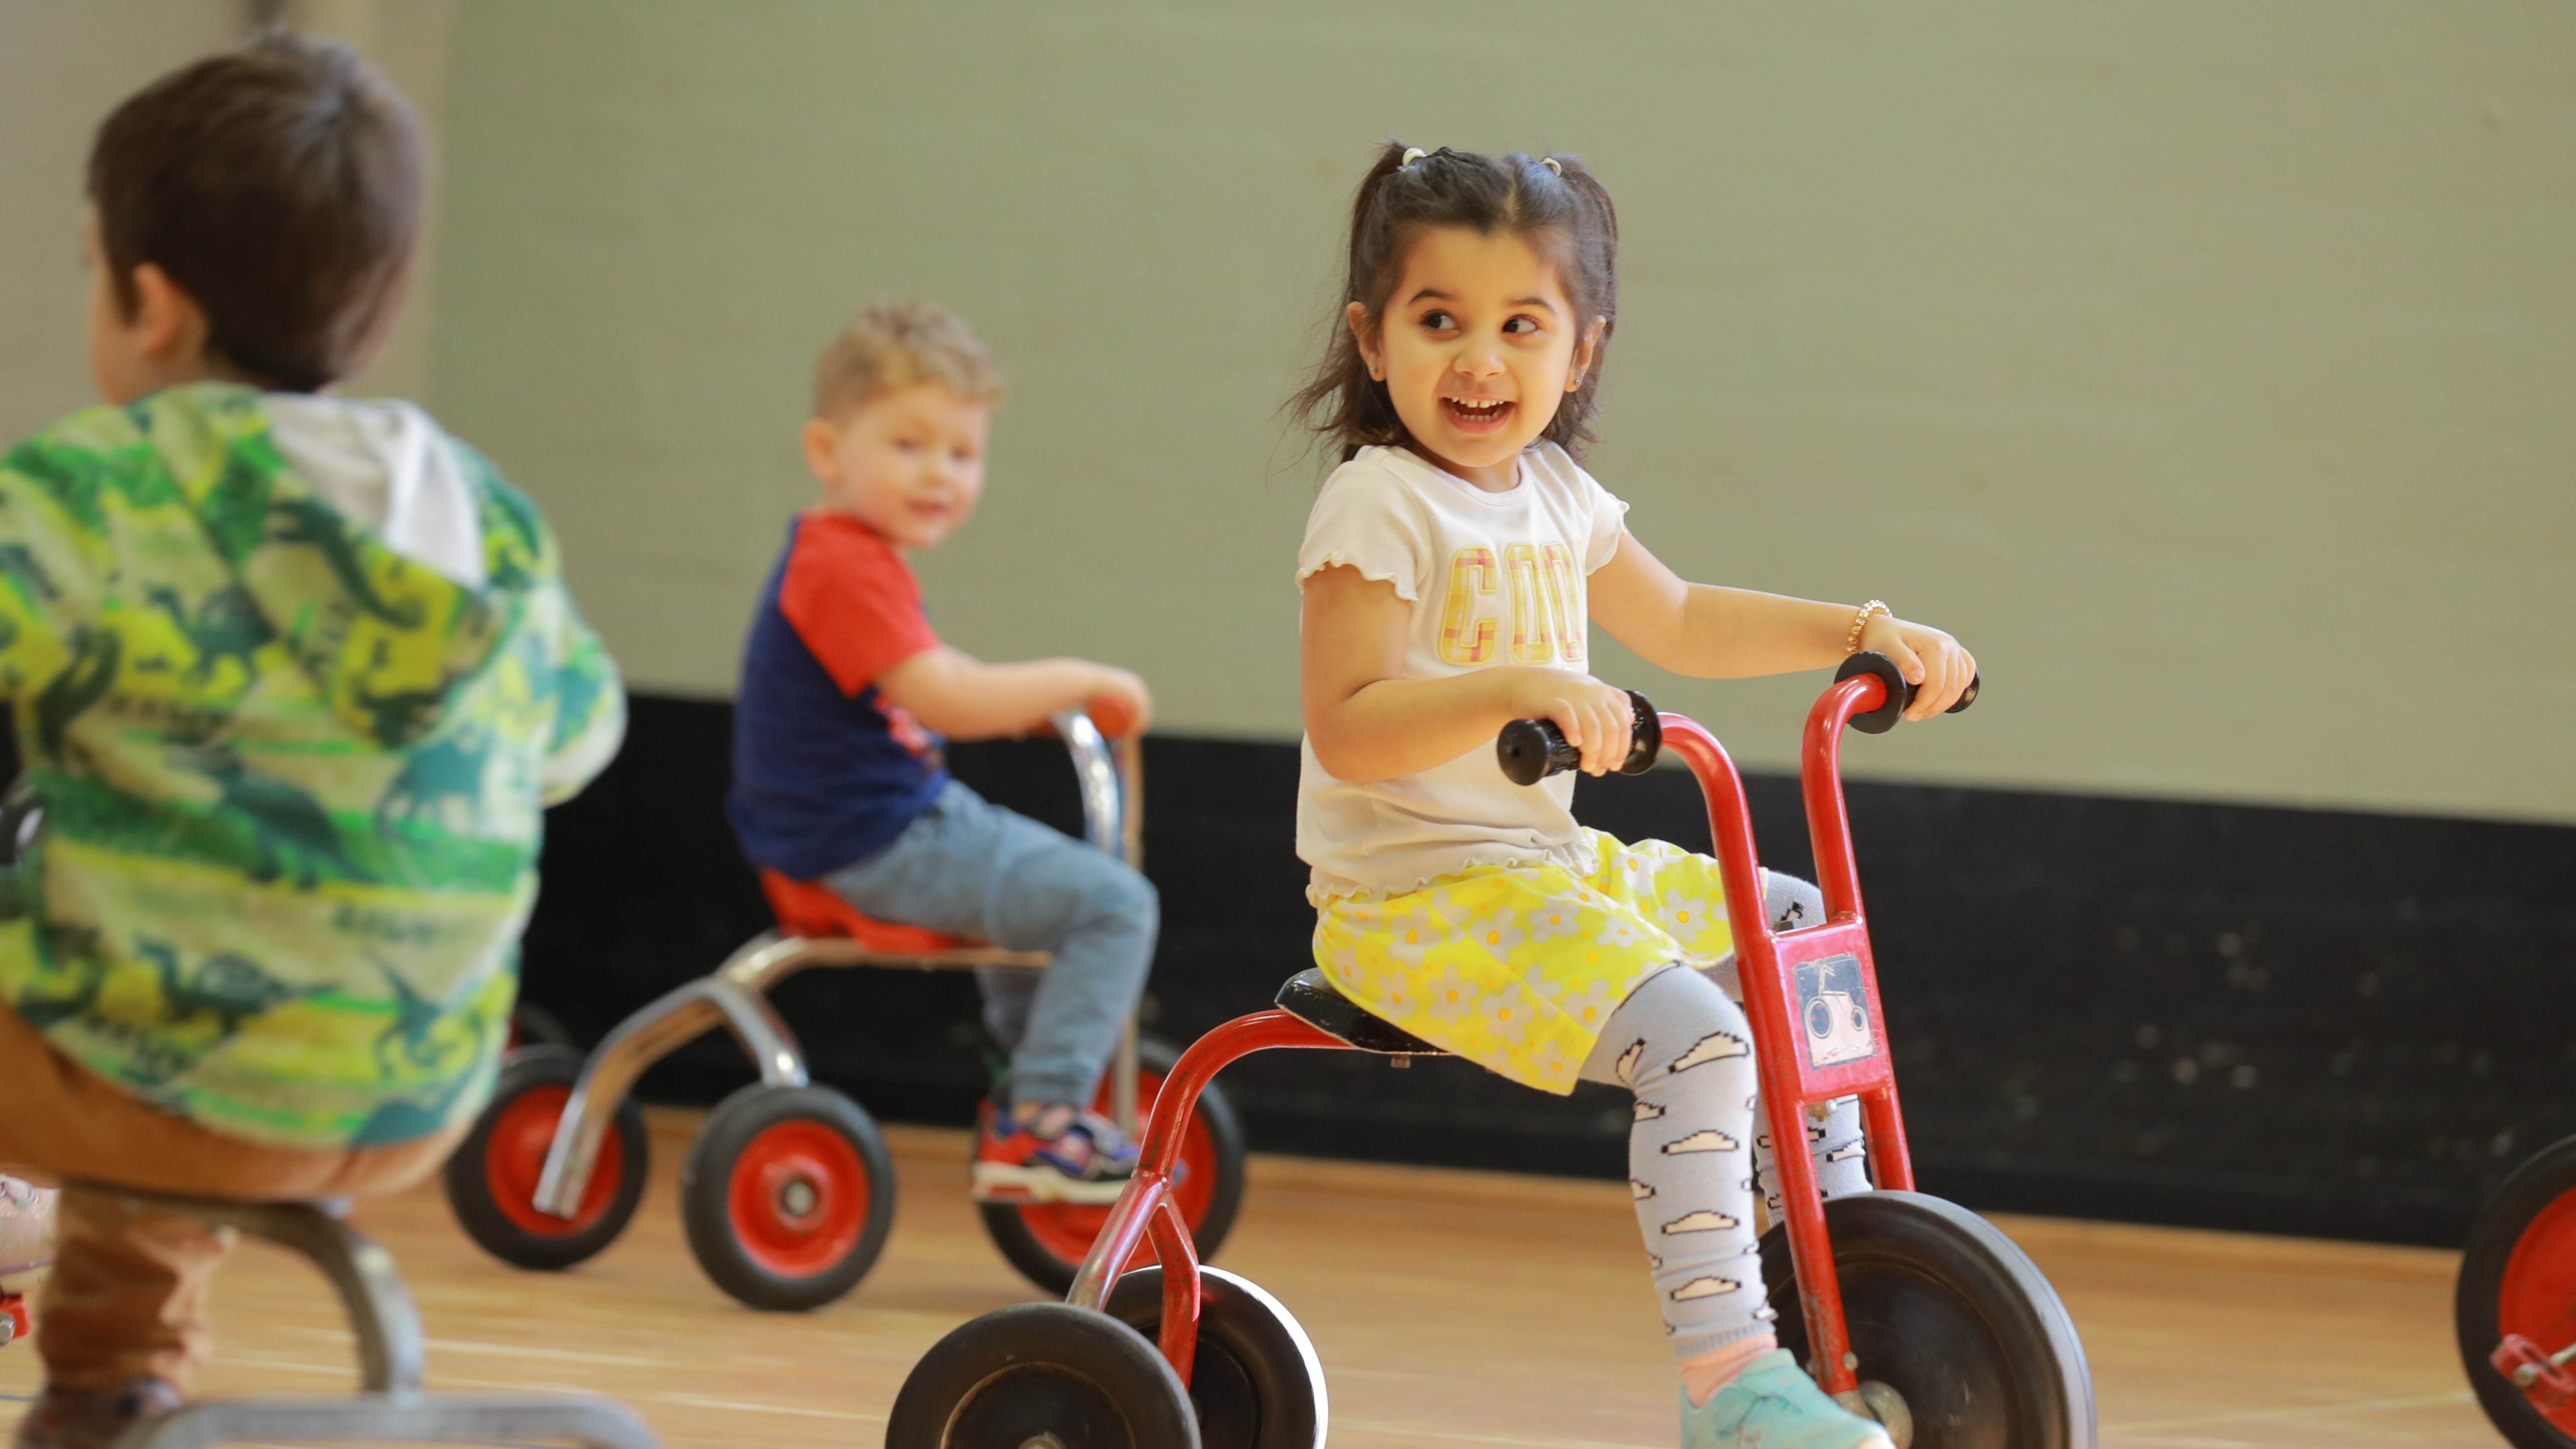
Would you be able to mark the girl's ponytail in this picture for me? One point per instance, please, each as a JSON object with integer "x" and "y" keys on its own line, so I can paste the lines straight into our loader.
{"x": 1340, "y": 399}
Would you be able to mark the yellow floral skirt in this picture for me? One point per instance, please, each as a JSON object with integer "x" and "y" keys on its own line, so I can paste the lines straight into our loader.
{"x": 1516, "y": 968}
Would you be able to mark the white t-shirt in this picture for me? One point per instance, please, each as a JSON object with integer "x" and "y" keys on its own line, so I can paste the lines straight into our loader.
{"x": 1494, "y": 578}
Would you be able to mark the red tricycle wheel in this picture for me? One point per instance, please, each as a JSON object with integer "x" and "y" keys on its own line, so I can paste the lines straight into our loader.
{"x": 514, "y": 1157}
{"x": 15, "y": 1321}
{"x": 798, "y": 1198}
{"x": 492, "y": 1178}
{"x": 787, "y": 1196}
{"x": 1047, "y": 1242}
{"x": 2537, "y": 1298}
{"x": 2518, "y": 1279}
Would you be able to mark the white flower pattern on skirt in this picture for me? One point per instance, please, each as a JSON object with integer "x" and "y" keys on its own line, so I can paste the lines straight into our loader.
{"x": 1559, "y": 917}
{"x": 1683, "y": 915}
{"x": 1517, "y": 967}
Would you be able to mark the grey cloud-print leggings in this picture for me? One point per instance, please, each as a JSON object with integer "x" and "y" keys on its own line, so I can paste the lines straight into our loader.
{"x": 1697, "y": 1148}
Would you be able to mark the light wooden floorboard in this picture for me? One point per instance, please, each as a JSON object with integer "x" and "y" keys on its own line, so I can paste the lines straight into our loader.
{"x": 1450, "y": 1309}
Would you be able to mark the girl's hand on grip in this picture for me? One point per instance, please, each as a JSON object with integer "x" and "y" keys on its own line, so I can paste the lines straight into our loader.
{"x": 1931, "y": 661}
{"x": 1595, "y": 718}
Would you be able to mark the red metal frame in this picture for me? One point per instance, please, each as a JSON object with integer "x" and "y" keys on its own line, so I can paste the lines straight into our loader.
{"x": 1146, "y": 1207}
{"x": 1790, "y": 1084}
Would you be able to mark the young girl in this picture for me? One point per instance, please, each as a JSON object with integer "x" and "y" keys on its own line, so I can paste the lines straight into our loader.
{"x": 1450, "y": 569}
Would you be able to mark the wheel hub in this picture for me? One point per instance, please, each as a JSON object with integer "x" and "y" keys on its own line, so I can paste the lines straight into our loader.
{"x": 798, "y": 1197}
{"x": 1038, "y": 1406}
{"x": 1882, "y": 1402}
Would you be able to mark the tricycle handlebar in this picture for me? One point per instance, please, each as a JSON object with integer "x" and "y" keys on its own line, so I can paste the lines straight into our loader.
{"x": 1533, "y": 749}
{"x": 1899, "y": 693}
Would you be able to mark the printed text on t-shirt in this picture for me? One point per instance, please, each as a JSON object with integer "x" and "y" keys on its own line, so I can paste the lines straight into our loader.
{"x": 1546, "y": 610}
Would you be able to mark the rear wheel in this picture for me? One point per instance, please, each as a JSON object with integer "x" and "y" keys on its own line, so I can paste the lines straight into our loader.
{"x": 492, "y": 1178}
{"x": 536, "y": 1026}
{"x": 1042, "y": 1374}
{"x": 1955, "y": 1329}
{"x": 1255, "y": 1383}
{"x": 2518, "y": 1277}
{"x": 787, "y": 1196}
{"x": 1047, "y": 1242}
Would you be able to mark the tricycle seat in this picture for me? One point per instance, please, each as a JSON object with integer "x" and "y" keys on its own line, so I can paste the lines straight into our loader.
{"x": 1313, "y": 999}
{"x": 812, "y": 910}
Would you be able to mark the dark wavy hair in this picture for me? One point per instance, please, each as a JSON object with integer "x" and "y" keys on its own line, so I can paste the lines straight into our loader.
{"x": 1555, "y": 202}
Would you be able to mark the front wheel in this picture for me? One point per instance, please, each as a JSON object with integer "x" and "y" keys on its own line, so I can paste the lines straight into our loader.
{"x": 1955, "y": 1328}
{"x": 1042, "y": 1374}
{"x": 2518, "y": 1277}
{"x": 491, "y": 1178}
{"x": 1047, "y": 1242}
{"x": 787, "y": 1196}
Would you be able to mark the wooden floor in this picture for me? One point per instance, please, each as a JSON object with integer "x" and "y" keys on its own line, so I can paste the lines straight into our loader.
{"x": 1449, "y": 1308}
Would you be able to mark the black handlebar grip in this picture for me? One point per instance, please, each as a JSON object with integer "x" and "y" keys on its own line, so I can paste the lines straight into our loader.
{"x": 1530, "y": 750}
{"x": 1899, "y": 693}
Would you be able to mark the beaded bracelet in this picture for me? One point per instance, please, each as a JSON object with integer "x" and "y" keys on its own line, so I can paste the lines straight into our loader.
{"x": 1860, "y": 624}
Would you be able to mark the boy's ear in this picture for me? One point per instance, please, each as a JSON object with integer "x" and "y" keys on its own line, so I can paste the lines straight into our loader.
{"x": 822, "y": 449}
{"x": 1586, "y": 348}
{"x": 169, "y": 325}
{"x": 1365, "y": 335}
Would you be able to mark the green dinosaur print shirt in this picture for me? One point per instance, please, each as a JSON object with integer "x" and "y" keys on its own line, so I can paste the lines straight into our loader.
{"x": 291, "y": 776}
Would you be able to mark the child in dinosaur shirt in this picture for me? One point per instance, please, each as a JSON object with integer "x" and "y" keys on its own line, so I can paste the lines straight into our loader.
{"x": 292, "y": 678}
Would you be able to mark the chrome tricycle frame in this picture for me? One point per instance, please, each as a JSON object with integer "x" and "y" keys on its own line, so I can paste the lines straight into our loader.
{"x": 736, "y": 995}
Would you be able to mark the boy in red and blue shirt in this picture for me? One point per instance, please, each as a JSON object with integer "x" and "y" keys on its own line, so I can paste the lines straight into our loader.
{"x": 838, "y": 771}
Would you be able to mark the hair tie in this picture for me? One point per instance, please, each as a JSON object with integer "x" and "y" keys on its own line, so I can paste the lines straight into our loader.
{"x": 1550, "y": 163}
{"x": 1411, "y": 155}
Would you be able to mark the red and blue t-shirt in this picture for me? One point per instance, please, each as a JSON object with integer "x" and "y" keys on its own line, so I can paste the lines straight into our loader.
{"x": 826, "y": 772}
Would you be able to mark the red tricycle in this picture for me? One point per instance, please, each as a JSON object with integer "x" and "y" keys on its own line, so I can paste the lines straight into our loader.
{"x": 1902, "y": 1305}
{"x": 788, "y": 1193}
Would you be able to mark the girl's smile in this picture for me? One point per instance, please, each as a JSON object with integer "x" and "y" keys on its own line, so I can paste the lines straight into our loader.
{"x": 1477, "y": 346}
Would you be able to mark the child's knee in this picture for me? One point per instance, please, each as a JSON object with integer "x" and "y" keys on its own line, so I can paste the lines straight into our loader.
{"x": 1677, "y": 1029}
{"x": 1127, "y": 897}
{"x": 1791, "y": 903}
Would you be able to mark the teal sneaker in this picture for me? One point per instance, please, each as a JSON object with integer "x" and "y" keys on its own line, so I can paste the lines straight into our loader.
{"x": 1774, "y": 1405}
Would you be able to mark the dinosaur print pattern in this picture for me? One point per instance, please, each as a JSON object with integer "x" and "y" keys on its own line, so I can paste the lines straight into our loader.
{"x": 291, "y": 780}
{"x": 227, "y": 625}
{"x": 1463, "y": 964}
{"x": 446, "y": 772}
{"x": 231, "y": 989}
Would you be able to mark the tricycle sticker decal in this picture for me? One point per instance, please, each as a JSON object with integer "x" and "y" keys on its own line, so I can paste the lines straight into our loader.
{"x": 1834, "y": 1010}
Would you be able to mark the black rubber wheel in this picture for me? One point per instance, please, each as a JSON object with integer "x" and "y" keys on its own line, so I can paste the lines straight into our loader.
{"x": 1946, "y": 1311}
{"x": 1256, "y": 1383}
{"x": 787, "y": 1196}
{"x": 2519, "y": 1276}
{"x": 492, "y": 1178}
{"x": 1047, "y": 1243}
{"x": 536, "y": 1026}
{"x": 1042, "y": 1373}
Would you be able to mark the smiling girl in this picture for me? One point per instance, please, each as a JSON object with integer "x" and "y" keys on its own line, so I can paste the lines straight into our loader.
{"x": 1450, "y": 569}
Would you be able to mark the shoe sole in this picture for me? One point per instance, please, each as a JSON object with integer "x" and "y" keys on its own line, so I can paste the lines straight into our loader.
{"x": 1001, "y": 1182}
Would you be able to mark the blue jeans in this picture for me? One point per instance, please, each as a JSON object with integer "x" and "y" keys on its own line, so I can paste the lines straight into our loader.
{"x": 971, "y": 868}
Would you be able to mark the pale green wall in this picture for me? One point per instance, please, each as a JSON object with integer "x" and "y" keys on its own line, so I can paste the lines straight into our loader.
{"x": 63, "y": 67}
{"x": 64, "y": 64}
{"x": 2202, "y": 364}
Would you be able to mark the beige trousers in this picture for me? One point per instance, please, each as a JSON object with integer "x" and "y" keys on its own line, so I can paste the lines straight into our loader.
{"x": 129, "y": 1287}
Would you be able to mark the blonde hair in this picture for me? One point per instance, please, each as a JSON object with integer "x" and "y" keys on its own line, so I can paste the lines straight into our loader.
{"x": 897, "y": 344}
